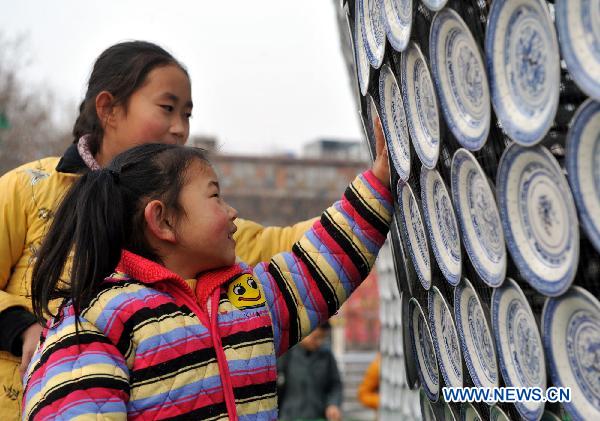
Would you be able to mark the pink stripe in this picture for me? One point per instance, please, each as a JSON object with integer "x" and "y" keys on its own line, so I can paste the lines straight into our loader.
{"x": 378, "y": 185}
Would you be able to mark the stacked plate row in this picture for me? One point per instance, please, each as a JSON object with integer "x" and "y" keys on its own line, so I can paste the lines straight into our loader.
{"x": 397, "y": 400}
{"x": 470, "y": 95}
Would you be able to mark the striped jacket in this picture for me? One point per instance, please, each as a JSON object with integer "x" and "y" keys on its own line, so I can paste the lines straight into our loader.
{"x": 151, "y": 347}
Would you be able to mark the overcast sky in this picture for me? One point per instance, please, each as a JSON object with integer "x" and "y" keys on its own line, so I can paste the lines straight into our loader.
{"x": 267, "y": 75}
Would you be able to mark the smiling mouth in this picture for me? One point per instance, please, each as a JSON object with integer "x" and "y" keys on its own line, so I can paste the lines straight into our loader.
{"x": 251, "y": 299}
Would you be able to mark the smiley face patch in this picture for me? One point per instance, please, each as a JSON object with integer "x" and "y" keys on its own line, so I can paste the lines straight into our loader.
{"x": 244, "y": 292}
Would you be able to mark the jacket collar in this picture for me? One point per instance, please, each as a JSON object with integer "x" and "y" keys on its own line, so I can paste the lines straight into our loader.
{"x": 149, "y": 272}
{"x": 71, "y": 162}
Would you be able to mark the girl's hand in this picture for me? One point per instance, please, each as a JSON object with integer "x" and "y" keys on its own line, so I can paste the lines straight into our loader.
{"x": 30, "y": 338}
{"x": 381, "y": 166}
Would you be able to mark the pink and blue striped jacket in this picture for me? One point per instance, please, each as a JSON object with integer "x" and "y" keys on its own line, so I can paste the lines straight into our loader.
{"x": 149, "y": 347}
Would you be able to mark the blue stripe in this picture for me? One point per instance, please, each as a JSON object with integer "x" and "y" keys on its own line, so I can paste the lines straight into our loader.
{"x": 268, "y": 415}
{"x": 189, "y": 390}
{"x": 268, "y": 285}
{"x": 357, "y": 231}
{"x": 345, "y": 280}
{"x": 256, "y": 363}
{"x": 386, "y": 203}
{"x": 91, "y": 407}
{"x": 303, "y": 293}
{"x": 175, "y": 335}
{"x": 121, "y": 300}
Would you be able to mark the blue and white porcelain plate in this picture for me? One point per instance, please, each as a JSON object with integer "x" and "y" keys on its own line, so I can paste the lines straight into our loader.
{"x": 478, "y": 218}
{"x": 440, "y": 220}
{"x": 393, "y": 118}
{"x": 420, "y": 104}
{"x": 398, "y": 22}
{"x": 413, "y": 233}
{"x": 445, "y": 339}
{"x": 427, "y": 412}
{"x": 371, "y": 17}
{"x": 571, "y": 335}
{"x": 578, "y": 24}
{"x": 583, "y": 166}
{"x": 497, "y": 414}
{"x": 523, "y": 62}
{"x": 539, "y": 218}
{"x": 475, "y": 336}
{"x": 360, "y": 53}
{"x": 459, "y": 75}
{"x": 422, "y": 345}
{"x": 372, "y": 118}
{"x": 521, "y": 354}
{"x": 469, "y": 413}
{"x": 435, "y": 5}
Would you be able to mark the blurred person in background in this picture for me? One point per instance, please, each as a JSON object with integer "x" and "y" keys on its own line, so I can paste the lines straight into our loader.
{"x": 309, "y": 384}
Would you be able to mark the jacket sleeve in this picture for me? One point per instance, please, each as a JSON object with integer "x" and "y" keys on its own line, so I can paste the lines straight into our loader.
{"x": 368, "y": 391}
{"x": 255, "y": 243}
{"x": 76, "y": 378}
{"x": 305, "y": 287}
{"x": 13, "y": 232}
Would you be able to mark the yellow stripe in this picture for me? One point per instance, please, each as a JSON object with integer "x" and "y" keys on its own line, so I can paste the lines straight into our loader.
{"x": 177, "y": 379}
{"x": 250, "y": 351}
{"x": 254, "y": 407}
{"x": 342, "y": 225}
{"x": 371, "y": 202}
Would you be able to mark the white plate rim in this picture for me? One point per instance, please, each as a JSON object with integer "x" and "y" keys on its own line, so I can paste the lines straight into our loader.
{"x": 414, "y": 305}
{"x": 550, "y": 288}
{"x": 502, "y": 347}
{"x": 548, "y": 310}
{"x": 469, "y": 142}
{"x": 453, "y": 278}
{"x": 491, "y": 279}
{"x": 582, "y": 116}
{"x": 519, "y": 134}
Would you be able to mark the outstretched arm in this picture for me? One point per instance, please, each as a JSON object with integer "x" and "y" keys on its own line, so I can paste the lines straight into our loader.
{"x": 307, "y": 286}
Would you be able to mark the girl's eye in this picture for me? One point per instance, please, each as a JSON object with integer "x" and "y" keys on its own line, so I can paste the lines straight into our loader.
{"x": 252, "y": 283}
{"x": 168, "y": 108}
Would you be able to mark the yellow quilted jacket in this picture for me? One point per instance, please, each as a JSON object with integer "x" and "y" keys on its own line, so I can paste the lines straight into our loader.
{"x": 28, "y": 197}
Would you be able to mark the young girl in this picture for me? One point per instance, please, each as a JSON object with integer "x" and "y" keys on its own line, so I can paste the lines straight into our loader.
{"x": 137, "y": 93}
{"x": 180, "y": 331}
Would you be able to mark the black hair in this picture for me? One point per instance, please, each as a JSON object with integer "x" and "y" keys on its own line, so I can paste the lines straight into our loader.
{"x": 121, "y": 70}
{"x": 102, "y": 214}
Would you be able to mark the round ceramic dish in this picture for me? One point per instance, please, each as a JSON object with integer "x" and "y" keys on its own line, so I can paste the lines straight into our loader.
{"x": 578, "y": 23}
{"x": 497, "y": 414}
{"x": 571, "y": 335}
{"x": 459, "y": 75}
{"x": 393, "y": 118}
{"x": 469, "y": 413}
{"x": 371, "y": 18}
{"x": 420, "y": 104}
{"x": 398, "y": 22}
{"x": 422, "y": 345}
{"x": 583, "y": 167}
{"x": 413, "y": 233}
{"x": 478, "y": 218}
{"x": 524, "y": 67}
{"x": 539, "y": 218}
{"x": 373, "y": 116}
{"x": 445, "y": 339}
{"x": 521, "y": 354}
{"x": 434, "y": 5}
{"x": 427, "y": 412}
{"x": 360, "y": 54}
{"x": 440, "y": 219}
{"x": 475, "y": 336}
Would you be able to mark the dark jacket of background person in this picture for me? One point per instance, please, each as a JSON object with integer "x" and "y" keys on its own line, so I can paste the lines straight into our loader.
{"x": 311, "y": 383}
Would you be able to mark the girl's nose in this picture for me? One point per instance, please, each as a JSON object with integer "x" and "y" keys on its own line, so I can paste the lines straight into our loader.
{"x": 180, "y": 128}
{"x": 233, "y": 213}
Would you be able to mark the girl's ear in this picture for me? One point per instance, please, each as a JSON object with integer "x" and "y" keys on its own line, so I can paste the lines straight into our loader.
{"x": 104, "y": 108}
{"x": 159, "y": 222}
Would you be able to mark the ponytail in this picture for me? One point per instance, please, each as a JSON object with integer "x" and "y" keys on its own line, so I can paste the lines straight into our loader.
{"x": 89, "y": 223}
{"x": 103, "y": 214}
